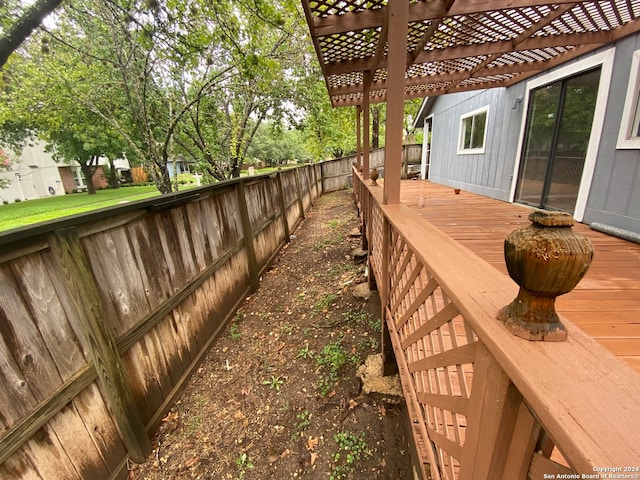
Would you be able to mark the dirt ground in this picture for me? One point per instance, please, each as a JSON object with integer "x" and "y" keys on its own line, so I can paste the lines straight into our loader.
{"x": 278, "y": 395}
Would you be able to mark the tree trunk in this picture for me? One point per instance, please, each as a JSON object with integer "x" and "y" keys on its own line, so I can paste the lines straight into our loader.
{"x": 88, "y": 170}
{"x": 162, "y": 179}
{"x": 113, "y": 177}
{"x": 236, "y": 167}
{"x": 375, "y": 120}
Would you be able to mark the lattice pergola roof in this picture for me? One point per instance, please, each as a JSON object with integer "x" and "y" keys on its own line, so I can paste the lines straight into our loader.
{"x": 458, "y": 45}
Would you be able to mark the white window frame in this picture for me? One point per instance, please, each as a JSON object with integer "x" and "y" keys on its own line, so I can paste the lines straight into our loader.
{"x": 604, "y": 60}
{"x": 631, "y": 110}
{"x": 475, "y": 113}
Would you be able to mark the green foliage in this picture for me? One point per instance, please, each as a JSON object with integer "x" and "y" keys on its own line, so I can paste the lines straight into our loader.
{"x": 234, "y": 332}
{"x": 323, "y": 303}
{"x": 303, "y": 420}
{"x": 331, "y": 360}
{"x": 351, "y": 448}
{"x": 243, "y": 463}
{"x": 305, "y": 352}
{"x": 275, "y": 382}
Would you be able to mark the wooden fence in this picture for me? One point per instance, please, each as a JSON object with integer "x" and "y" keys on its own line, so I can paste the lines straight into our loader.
{"x": 104, "y": 316}
{"x": 337, "y": 173}
{"x": 483, "y": 403}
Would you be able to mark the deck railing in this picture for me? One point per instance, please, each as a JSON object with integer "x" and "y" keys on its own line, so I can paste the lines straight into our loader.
{"x": 483, "y": 403}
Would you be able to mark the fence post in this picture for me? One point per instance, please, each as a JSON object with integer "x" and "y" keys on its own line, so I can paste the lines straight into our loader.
{"x": 308, "y": 177}
{"x": 248, "y": 236}
{"x": 70, "y": 258}
{"x": 283, "y": 206}
{"x": 299, "y": 191}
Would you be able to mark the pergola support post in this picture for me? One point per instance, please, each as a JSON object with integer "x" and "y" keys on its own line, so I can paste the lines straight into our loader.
{"x": 398, "y": 19}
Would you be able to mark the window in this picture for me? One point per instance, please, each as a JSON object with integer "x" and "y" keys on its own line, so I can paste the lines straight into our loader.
{"x": 78, "y": 176}
{"x": 473, "y": 131}
{"x": 629, "y": 135}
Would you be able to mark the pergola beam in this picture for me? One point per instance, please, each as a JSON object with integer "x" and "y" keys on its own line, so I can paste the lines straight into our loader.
{"x": 467, "y": 51}
{"x": 418, "y": 12}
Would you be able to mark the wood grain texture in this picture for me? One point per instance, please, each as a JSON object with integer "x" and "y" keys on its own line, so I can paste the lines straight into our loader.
{"x": 79, "y": 281}
{"x": 608, "y": 295}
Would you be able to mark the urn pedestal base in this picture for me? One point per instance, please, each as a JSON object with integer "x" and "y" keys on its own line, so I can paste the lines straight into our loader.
{"x": 533, "y": 317}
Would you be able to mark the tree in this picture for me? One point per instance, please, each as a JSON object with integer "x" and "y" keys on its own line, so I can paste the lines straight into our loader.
{"x": 328, "y": 132}
{"x": 26, "y": 21}
{"x": 264, "y": 46}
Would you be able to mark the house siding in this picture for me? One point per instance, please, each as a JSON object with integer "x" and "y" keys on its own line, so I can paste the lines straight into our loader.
{"x": 614, "y": 195}
{"x": 614, "y": 198}
{"x": 487, "y": 173}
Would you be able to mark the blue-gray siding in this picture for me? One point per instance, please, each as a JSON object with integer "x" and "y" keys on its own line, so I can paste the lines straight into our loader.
{"x": 614, "y": 197}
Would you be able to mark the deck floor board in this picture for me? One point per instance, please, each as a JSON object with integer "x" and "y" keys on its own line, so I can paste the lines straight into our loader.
{"x": 606, "y": 303}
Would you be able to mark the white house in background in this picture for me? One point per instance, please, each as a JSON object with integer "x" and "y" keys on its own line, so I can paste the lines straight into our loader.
{"x": 35, "y": 174}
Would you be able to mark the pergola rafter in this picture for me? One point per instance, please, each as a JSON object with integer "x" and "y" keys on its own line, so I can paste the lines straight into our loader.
{"x": 457, "y": 45}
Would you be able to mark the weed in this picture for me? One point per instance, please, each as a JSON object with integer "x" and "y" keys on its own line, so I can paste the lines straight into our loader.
{"x": 275, "y": 382}
{"x": 303, "y": 420}
{"x": 333, "y": 223}
{"x": 243, "y": 463}
{"x": 324, "y": 303}
{"x": 351, "y": 447}
{"x": 358, "y": 316}
{"x": 235, "y": 334}
{"x": 305, "y": 352}
{"x": 195, "y": 423}
{"x": 331, "y": 361}
{"x": 200, "y": 400}
{"x": 375, "y": 325}
{"x": 286, "y": 329}
{"x": 328, "y": 242}
{"x": 369, "y": 343}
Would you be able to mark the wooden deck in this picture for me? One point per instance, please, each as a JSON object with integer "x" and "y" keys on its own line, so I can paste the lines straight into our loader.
{"x": 605, "y": 304}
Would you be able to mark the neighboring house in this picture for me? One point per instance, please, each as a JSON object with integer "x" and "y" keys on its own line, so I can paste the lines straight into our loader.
{"x": 35, "y": 174}
{"x": 182, "y": 166}
{"x": 567, "y": 139}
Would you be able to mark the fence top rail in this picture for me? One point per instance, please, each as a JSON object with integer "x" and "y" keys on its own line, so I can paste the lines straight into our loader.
{"x": 165, "y": 201}
{"x": 586, "y": 399}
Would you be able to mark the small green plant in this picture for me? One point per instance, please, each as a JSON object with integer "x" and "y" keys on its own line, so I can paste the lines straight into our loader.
{"x": 286, "y": 329}
{"x": 369, "y": 343}
{"x": 305, "y": 352}
{"x": 351, "y": 447}
{"x": 195, "y": 423}
{"x": 324, "y": 303}
{"x": 233, "y": 330}
{"x": 358, "y": 316}
{"x": 274, "y": 383}
{"x": 331, "y": 360}
{"x": 333, "y": 223}
{"x": 375, "y": 325}
{"x": 243, "y": 463}
{"x": 303, "y": 420}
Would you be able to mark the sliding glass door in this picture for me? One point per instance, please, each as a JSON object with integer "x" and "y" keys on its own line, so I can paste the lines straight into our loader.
{"x": 558, "y": 128}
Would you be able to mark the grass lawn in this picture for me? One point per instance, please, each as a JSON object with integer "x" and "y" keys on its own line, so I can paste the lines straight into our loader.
{"x": 33, "y": 211}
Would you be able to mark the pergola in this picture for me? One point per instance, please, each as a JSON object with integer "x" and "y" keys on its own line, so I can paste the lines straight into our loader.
{"x": 386, "y": 51}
